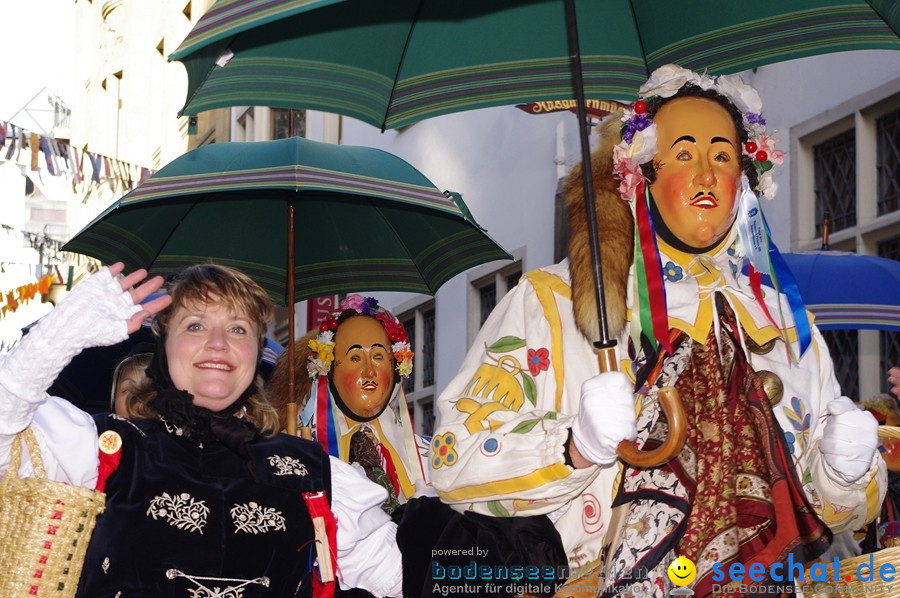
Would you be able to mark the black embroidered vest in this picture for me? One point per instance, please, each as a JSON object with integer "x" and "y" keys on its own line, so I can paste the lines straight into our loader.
{"x": 182, "y": 520}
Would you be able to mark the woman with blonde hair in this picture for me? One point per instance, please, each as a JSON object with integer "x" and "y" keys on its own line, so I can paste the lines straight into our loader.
{"x": 204, "y": 497}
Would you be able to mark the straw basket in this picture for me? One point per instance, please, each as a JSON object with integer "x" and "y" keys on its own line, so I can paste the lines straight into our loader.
{"x": 892, "y": 432}
{"x": 874, "y": 587}
{"x": 45, "y": 526}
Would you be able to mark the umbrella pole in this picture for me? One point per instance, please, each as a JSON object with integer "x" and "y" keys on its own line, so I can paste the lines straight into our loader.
{"x": 606, "y": 347}
{"x": 291, "y": 414}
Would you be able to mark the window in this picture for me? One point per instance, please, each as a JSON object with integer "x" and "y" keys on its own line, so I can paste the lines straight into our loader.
{"x": 281, "y": 121}
{"x": 888, "y": 163}
{"x": 419, "y": 323}
{"x": 427, "y": 419}
{"x": 846, "y": 164}
{"x": 409, "y": 325}
{"x": 888, "y": 342}
{"x": 835, "y": 164}
{"x": 844, "y": 348}
{"x": 487, "y": 290}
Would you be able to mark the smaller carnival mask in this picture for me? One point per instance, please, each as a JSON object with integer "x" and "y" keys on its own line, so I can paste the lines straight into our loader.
{"x": 363, "y": 372}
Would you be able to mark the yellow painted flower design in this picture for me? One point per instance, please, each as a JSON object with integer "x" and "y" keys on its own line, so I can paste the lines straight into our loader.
{"x": 444, "y": 451}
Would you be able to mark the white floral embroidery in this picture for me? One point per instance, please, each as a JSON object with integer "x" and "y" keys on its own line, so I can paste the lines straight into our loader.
{"x": 215, "y": 592}
{"x": 181, "y": 511}
{"x": 255, "y": 519}
{"x": 287, "y": 465}
{"x": 105, "y": 565}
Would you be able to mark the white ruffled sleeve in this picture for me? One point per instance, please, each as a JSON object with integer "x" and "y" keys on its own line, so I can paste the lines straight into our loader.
{"x": 94, "y": 314}
{"x": 368, "y": 556}
{"x": 68, "y": 440}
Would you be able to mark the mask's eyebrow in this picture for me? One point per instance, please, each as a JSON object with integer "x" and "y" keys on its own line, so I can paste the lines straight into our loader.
{"x": 360, "y": 347}
{"x": 685, "y": 138}
{"x": 721, "y": 140}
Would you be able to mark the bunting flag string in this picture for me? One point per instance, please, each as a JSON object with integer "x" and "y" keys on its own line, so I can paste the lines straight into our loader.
{"x": 13, "y": 298}
{"x": 63, "y": 159}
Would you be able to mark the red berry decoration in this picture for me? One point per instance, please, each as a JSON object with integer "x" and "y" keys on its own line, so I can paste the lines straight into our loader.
{"x": 640, "y": 106}
{"x": 751, "y": 147}
{"x": 761, "y": 156}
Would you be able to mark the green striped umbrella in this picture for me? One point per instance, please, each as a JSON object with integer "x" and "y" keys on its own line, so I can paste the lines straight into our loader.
{"x": 364, "y": 220}
{"x": 394, "y": 62}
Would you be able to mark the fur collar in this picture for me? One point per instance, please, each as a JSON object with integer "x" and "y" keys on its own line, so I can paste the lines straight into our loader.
{"x": 615, "y": 225}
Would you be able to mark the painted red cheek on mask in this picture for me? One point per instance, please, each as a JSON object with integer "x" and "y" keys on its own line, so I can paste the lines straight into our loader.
{"x": 383, "y": 376}
{"x": 675, "y": 190}
{"x": 350, "y": 379}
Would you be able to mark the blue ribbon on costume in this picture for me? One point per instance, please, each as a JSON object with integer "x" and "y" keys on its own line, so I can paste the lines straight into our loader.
{"x": 765, "y": 258}
{"x": 787, "y": 284}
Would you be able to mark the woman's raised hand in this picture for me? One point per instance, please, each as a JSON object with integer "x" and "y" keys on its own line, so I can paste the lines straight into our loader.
{"x": 141, "y": 292}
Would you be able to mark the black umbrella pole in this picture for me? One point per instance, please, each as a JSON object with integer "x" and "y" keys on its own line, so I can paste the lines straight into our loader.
{"x": 291, "y": 406}
{"x": 605, "y": 345}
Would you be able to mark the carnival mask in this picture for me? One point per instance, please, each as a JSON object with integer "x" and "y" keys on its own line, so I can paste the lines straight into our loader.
{"x": 363, "y": 373}
{"x": 698, "y": 170}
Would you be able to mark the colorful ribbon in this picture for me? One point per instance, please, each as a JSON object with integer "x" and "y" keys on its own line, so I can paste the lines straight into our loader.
{"x": 765, "y": 258}
{"x": 649, "y": 313}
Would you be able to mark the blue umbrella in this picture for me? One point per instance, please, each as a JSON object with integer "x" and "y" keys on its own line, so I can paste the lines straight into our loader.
{"x": 848, "y": 290}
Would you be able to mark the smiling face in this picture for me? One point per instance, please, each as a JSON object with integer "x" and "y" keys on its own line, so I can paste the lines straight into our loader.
{"x": 212, "y": 352}
{"x": 363, "y": 365}
{"x": 682, "y": 571}
{"x": 699, "y": 170}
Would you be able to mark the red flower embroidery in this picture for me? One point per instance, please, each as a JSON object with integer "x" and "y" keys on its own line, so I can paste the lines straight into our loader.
{"x": 538, "y": 360}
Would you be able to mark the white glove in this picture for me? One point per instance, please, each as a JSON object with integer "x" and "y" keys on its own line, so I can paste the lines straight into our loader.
{"x": 606, "y": 416}
{"x": 849, "y": 441}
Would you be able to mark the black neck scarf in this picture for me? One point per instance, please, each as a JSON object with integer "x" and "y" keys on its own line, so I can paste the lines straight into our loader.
{"x": 199, "y": 424}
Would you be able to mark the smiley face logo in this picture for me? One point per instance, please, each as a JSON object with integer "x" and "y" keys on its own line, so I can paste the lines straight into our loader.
{"x": 682, "y": 571}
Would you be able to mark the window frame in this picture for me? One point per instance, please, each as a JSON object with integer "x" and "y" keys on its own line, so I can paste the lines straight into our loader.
{"x": 420, "y": 395}
{"x": 859, "y": 113}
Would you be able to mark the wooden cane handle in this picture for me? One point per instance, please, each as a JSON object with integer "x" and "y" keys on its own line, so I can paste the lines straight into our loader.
{"x": 671, "y": 406}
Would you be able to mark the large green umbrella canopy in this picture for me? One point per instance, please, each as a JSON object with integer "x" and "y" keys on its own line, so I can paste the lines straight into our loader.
{"x": 393, "y": 62}
{"x": 364, "y": 220}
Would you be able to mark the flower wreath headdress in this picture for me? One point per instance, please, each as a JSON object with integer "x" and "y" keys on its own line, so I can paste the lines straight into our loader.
{"x": 323, "y": 345}
{"x": 639, "y": 138}
{"x": 639, "y": 146}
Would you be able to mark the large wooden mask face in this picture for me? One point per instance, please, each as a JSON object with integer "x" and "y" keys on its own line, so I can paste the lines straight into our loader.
{"x": 698, "y": 170}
